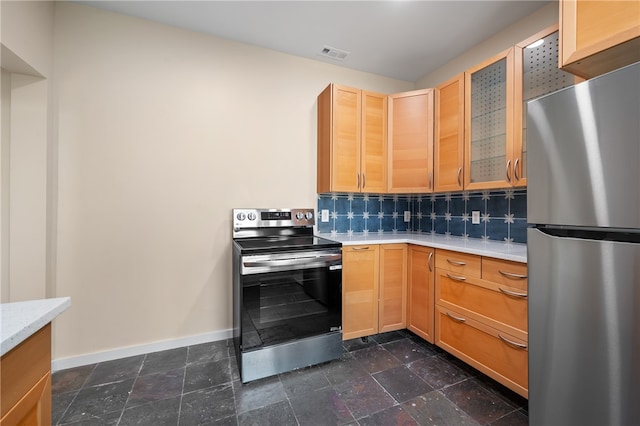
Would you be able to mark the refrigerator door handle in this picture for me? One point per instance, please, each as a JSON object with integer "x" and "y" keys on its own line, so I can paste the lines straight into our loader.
{"x": 513, "y": 293}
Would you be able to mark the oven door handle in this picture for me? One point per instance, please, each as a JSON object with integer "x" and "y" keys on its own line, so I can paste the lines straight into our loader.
{"x": 293, "y": 261}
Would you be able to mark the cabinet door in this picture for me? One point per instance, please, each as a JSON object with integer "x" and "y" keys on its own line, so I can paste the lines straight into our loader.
{"x": 374, "y": 143}
{"x": 393, "y": 287}
{"x": 339, "y": 127}
{"x": 489, "y": 123}
{"x": 449, "y": 135}
{"x": 537, "y": 74}
{"x": 598, "y": 36}
{"x": 411, "y": 142}
{"x": 421, "y": 305}
{"x": 360, "y": 278}
{"x": 34, "y": 409}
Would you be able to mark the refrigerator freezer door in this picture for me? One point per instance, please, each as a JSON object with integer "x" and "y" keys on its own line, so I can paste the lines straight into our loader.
{"x": 584, "y": 331}
{"x": 584, "y": 153}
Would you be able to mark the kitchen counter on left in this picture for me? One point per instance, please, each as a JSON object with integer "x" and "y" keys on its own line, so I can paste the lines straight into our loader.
{"x": 19, "y": 320}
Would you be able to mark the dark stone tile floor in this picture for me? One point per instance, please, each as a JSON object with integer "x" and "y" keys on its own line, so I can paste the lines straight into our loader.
{"x": 392, "y": 379}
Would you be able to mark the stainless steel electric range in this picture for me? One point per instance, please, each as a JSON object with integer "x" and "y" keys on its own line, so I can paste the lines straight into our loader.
{"x": 287, "y": 292}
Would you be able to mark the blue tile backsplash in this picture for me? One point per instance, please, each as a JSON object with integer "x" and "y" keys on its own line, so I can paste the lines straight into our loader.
{"x": 503, "y": 214}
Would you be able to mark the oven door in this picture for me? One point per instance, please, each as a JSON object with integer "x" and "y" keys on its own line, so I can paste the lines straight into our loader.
{"x": 290, "y": 296}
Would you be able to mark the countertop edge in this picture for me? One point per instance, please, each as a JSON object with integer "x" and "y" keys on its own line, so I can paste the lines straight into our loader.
{"x": 516, "y": 252}
{"x": 43, "y": 312}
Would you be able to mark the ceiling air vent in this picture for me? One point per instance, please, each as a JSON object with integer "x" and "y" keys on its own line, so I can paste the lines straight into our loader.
{"x": 333, "y": 53}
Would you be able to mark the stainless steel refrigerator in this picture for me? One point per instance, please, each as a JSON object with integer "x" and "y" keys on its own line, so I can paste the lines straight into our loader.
{"x": 583, "y": 209}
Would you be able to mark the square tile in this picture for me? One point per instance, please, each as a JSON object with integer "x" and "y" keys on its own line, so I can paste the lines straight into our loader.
{"x": 259, "y": 393}
{"x": 434, "y": 409}
{"x": 402, "y": 384}
{"x": 375, "y": 359}
{"x": 98, "y": 401}
{"x": 304, "y": 381}
{"x": 158, "y": 362}
{"x": 438, "y": 372}
{"x": 163, "y": 412}
{"x": 364, "y": 396}
{"x": 207, "y": 405}
{"x": 391, "y": 416}
{"x": 154, "y": 387}
{"x": 480, "y": 404}
{"x": 116, "y": 370}
{"x": 206, "y": 375}
{"x": 279, "y": 414}
{"x": 70, "y": 379}
{"x": 321, "y": 407}
{"x": 407, "y": 350}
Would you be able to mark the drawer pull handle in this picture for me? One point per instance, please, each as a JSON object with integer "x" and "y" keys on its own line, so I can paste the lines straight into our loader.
{"x": 456, "y": 278}
{"x": 429, "y": 261}
{"x": 511, "y": 343}
{"x": 361, "y": 248}
{"x": 456, "y": 262}
{"x": 513, "y": 293}
{"x": 455, "y": 318}
{"x": 512, "y": 275}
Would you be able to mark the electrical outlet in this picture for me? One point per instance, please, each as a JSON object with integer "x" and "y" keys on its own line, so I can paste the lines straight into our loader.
{"x": 475, "y": 217}
{"x": 324, "y": 215}
{"x": 407, "y": 216}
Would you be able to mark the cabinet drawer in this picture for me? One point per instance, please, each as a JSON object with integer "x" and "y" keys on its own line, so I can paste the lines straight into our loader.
{"x": 498, "y": 355}
{"x": 483, "y": 300}
{"x": 23, "y": 366}
{"x": 505, "y": 272}
{"x": 460, "y": 263}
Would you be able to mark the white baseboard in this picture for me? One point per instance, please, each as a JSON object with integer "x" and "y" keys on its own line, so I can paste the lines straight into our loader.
{"x": 93, "y": 358}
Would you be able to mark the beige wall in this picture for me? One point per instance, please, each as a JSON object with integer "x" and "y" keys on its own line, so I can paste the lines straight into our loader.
{"x": 161, "y": 133}
{"x": 521, "y": 30}
{"x": 27, "y": 162}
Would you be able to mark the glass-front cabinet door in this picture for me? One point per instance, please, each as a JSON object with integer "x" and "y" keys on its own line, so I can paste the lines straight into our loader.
{"x": 537, "y": 74}
{"x": 489, "y": 99}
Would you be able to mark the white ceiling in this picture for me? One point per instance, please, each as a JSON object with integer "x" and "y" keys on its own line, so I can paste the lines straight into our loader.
{"x": 400, "y": 39}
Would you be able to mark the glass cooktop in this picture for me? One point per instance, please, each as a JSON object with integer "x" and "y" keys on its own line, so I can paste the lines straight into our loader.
{"x": 284, "y": 243}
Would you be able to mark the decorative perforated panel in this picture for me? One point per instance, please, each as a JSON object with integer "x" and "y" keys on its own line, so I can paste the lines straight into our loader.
{"x": 488, "y": 122}
{"x": 541, "y": 76}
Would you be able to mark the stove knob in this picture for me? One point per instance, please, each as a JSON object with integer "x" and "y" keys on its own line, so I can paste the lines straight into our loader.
{"x": 299, "y": 215}
{"x": 252, "y": 216}
{"x": 309, "y": 215}
{"x": 240, "y": 216}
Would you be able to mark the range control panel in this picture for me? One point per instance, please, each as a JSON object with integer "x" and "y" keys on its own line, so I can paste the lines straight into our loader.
{"x": 267, "y": 218}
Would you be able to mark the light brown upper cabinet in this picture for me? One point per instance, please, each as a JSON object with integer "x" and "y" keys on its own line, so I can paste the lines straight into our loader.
{"x": 537, "y": 74}
{"x": 411, "y": 142}
{"x": 352, "y": 140}
{"x": 598, "y": 36}
{"x": 448, "y": 147}
{"x": 488, "y": 116}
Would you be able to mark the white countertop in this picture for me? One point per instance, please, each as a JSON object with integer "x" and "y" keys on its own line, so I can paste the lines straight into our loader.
{"x": 19, "y": 320}
{"x": 516, "y": 252}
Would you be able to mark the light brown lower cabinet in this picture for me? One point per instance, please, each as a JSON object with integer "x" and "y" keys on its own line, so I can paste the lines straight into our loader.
{"x": 420, "y": 294}
{"x": 374, "y": 286}
{"x": 482, "y": 318}
{"x": 25, "y": 380}
{"x": 473, "y": 307}
{"x": 497, "y": 354}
